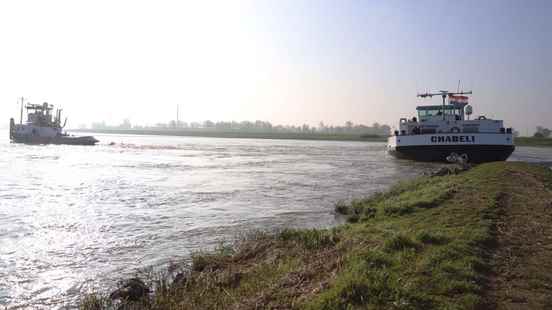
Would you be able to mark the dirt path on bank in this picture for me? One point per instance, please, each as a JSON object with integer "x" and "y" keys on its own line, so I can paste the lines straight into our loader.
{"x": 521, "y": 275}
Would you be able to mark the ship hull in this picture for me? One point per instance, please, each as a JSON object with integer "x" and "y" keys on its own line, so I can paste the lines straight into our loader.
{"x": 479, "y": 148}
{"x": 439, "y": 153}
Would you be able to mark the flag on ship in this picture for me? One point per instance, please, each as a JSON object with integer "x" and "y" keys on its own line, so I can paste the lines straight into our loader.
{"x": 458, "y": 99}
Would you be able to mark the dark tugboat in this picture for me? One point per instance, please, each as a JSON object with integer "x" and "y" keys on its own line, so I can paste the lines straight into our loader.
{"x": 42, "y": 127}
{"x": 442, "y": 132}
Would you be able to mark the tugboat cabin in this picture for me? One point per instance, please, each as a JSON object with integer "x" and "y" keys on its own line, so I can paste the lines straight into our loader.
{"x": 40, "y": 115}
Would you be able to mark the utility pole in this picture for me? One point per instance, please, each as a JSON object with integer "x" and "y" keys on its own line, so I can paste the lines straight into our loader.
{"x": 177, "y": 115}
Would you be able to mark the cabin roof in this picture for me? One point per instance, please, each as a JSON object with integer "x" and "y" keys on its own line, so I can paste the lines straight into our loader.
{"x": 435, "y": 107}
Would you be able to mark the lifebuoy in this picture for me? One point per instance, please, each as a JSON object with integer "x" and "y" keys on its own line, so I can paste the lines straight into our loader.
{"x": 455, "y": 130}
{"x": 481, "y": 117}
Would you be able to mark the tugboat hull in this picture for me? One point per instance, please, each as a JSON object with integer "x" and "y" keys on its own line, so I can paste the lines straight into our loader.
{"x": 30, "y": 134}
{"x": 69, "y": 140}
{"x": 479, "y": 148}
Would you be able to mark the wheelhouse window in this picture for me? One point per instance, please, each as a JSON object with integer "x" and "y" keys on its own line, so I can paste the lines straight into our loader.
{"x": 429, "y": 112}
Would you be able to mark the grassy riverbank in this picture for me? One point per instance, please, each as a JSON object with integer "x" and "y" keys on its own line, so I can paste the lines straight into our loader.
{"x": 531, "y": 141}
{"x": 480, "y": 239}
{"x": 239, "y": 134}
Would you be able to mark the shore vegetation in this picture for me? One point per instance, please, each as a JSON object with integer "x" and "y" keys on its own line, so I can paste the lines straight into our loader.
{"x": 243, "y": 134}
{"x": 533, "y": 141}
{"x": 479, "y": 239}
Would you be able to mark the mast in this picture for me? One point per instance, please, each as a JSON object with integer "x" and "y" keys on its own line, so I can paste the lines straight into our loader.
{"x": 177, "y": 115}
{"x": 444, "y": 95}
{"x": 21, "y": 115}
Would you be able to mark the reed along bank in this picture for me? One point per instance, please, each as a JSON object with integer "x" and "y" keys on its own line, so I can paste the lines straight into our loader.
{"x": 480, "y": 239}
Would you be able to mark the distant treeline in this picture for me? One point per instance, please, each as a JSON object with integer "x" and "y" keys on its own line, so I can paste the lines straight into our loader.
{"x": 257, "y": 127}
{"x": 542, "y": 132}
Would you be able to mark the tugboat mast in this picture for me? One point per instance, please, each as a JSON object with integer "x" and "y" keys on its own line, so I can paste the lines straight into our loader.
{"x": 444, "y": 94}
{"x": 21, "y": 115}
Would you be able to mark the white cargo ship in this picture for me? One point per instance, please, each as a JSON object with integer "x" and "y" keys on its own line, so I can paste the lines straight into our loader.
{"x": 444, "y": 131}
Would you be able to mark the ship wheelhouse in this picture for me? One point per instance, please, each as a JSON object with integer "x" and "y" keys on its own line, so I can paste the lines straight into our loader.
{"x": 432, "y": 112}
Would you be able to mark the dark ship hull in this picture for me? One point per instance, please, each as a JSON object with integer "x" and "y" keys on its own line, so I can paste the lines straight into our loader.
{"x": 439, "y": 153}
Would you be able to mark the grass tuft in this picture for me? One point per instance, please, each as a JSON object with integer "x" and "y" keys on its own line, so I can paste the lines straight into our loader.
{"x": 310, "y": 238}
{"x": 341, "y": 208}
{"x": 398, "y": 210}
{"x": 399, "y": 242}
{"x": 432, "y": 238}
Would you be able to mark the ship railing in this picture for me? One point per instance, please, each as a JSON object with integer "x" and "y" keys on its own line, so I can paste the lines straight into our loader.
{"x": 432, "y": 132}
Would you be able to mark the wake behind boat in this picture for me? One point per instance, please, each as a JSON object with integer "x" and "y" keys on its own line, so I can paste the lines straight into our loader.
{"x": 42, "y": 127}
{"x": 442, "y": 132}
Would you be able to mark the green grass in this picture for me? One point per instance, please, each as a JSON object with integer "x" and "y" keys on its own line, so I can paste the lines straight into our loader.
{"x": 424, "y": 244}
{"x": 240, "y": 134}
{"x": 531, "y": 141}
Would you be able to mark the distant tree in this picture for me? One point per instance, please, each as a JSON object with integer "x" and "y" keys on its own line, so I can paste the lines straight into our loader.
{"x": 385, "y": 130}
{"x": 264, "y": 126}
{"x": 322, "y": 127}
{"x": 515, "y": 133}
{"x": 542, "y": 132}
{"x": 126, "y": 124}
{"x": 246, "y": 125}
{"x": 98, "y": 125}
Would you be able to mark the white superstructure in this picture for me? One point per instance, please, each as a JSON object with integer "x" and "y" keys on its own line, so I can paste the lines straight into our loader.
{"x": 439, "y": 130}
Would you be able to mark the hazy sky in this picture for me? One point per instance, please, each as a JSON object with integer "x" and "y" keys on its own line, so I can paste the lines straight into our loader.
{"x": 286, "y": 62}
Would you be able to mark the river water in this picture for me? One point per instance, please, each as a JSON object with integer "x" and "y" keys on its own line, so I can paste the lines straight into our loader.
{"x": 74, "y": 218}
